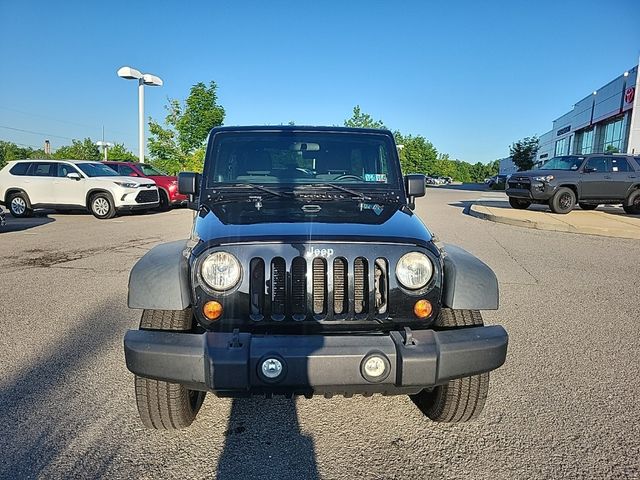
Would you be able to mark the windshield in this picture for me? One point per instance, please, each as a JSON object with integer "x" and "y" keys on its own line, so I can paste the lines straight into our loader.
{"x": 302, "y": 158}
{"x": 151, "y": 171}
{"x": 563, "y": 163}
{"x": 97, "y": 170}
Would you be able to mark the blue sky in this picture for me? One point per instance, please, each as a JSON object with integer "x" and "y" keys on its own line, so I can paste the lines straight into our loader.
{"x": 470, "y": 76}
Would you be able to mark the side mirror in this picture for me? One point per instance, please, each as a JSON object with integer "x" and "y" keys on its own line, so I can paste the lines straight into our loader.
{"x": 74, "y": 175}
{"x": 189, "y": 184}
{"x": 414, "y": 184}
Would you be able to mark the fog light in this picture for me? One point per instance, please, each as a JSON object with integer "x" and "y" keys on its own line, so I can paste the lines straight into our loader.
{"x": 422, "y": 308}
{"x": 212, "y": 310}
{"x": 375, "y": 367}
{"x": 271, "y": 368}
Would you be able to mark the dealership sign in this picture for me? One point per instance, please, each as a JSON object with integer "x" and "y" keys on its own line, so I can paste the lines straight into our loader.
{"x": 629, "y": 94}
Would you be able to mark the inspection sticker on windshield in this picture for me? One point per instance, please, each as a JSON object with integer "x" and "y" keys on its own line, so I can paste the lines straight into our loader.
{"x": 375, "y": 177}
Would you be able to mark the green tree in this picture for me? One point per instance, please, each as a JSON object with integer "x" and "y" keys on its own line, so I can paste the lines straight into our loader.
{"x": 523, "y": 152}
{"x": 612, "y": 149}
{"x": 78, "y": 150}
{"x": 10, "y": 151}
{"x": 417, "y": 154}
{"x": 362, "y": 120}
{"x": 179, "y": 144}
{"x": 120, "y": 153}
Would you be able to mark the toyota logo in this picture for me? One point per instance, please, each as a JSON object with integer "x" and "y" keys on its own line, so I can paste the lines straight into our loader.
{"x": 629, "y": 93}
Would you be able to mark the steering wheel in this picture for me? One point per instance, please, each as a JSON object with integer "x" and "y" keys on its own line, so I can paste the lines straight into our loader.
{"x": 348, "y": 176}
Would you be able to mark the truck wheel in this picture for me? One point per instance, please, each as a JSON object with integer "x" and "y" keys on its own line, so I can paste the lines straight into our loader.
{"x": 164, "y": 405}
{"x": 19, "y": 205}
{"x": 102, "y": 207}
{"x": 563, "y": 201}
{"x": 632, "y": 204}
{"x": 458, "y": 400}
{"x": 519, "y": 203}
{"x": 588, "y": 206}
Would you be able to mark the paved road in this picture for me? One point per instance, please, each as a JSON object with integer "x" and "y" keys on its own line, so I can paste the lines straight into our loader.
{"x": 565, "y": 405}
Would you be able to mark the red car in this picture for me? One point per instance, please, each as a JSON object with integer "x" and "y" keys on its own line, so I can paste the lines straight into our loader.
{"x": 167, "y": 184}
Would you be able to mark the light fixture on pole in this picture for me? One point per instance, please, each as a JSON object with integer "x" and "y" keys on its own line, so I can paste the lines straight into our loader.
{"x": 143, "y": 79}
{"x": 105, "y": 146}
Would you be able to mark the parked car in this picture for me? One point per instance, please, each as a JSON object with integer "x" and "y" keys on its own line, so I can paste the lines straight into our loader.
{"x": 588, "y": 180}
{"x": 298, "y": 283}
{"x": 72, "y": 184}
{"x": 497, "y": 182}
{"x": 3, "y": 220}
{"x": 167, "y": 184}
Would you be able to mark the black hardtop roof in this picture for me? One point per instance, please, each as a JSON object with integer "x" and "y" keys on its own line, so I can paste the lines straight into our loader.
{"x": 301, "y": 128}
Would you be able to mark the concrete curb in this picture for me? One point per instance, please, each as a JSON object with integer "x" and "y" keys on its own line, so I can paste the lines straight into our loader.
{"x": 479, "y": 210}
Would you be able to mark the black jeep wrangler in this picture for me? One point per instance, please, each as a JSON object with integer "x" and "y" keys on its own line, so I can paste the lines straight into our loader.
{"x": 307, "y": 272}
{"x": 588, "y": 180}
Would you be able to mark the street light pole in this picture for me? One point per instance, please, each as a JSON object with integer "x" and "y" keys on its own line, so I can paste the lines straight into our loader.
{"x": 141, "y": 120}
{"x": 143, "y": 79}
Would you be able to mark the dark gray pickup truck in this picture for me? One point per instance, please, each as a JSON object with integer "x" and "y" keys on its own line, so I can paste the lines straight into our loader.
{"x": 588, "y": 180}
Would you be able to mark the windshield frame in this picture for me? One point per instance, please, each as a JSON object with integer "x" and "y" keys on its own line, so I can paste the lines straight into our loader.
{"x": 396, "y": 185}
{"x": 93, "y": 164}
{"x": 581, "y": 158}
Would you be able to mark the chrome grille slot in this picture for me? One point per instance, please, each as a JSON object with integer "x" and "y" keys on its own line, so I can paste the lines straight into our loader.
{"x": 339, "y": 286}
{"x": 319, "y": 285}
{"x": 360, "y": 292}
{"x": 298, "y": 286}
{"x": 256, "y": 286}
{"x": 381, "y": 285}
{"x": 278, "y": 286}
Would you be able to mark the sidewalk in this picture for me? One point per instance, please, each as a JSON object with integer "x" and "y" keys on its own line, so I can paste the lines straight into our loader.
{"x": 607, "y": 221}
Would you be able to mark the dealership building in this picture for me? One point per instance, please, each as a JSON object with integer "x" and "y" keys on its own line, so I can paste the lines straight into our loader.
{"x": 606, "y": 120}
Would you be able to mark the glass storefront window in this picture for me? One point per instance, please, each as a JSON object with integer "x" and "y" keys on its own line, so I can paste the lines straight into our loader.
{"x": 614, "y": 136}
{"x": 586, "y": 142}
{"x": 561, "y": 147}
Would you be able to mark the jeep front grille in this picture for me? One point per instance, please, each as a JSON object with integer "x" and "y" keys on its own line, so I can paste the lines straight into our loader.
{"x": 319, "y": 288}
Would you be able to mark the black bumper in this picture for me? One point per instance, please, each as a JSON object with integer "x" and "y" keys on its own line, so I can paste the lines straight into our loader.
{"x": 538, "y": 192}
{"x": 229, "y": 364}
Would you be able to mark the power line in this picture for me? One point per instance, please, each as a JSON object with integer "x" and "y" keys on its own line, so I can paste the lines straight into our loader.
{"x": 36, "y": 133}
{"x": 59, "y": 120}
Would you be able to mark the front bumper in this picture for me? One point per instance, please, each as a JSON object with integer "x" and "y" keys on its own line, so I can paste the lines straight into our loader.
{"x": 538, "y": 191}
{"x": 229, "y": 363}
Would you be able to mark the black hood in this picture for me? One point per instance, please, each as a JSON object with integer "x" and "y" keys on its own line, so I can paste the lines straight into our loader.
{"x": 287, "y": 221}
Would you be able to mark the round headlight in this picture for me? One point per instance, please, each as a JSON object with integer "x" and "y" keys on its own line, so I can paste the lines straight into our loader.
{"x": 221, "y": 271}
{"x": 414, "y": 270}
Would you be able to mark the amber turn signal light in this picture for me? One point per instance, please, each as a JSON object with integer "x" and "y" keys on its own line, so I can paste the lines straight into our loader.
{"x": 212, "y": 310}
{"x": 422, "y": 308}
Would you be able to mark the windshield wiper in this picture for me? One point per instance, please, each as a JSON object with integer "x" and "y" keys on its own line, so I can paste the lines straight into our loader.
{"x": 254, "y": 186}
{"x": 355, "y": 193}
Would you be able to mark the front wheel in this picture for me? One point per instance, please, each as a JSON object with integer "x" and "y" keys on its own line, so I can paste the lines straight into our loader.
{"x": 164, "y": 205}
{"x": 164, "y": 405}
{"x": 462, "y": 399}
{"x": 519, "y": 203}
{"x": 632, "y": 204}
{"x": 563, "y": 201}
{"x": 102, "y": 207}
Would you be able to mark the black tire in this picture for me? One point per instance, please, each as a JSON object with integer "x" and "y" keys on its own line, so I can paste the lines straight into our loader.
{"x": 563, "y": 201}
{"x": 163, "y": 405}
{"x": 519, "y": 203}
{"x": 588, "y": 206}
{"x": 18, "y": 204}
{"x": 462, "y": 399}
{"x": 164, "y": 201}
{"x": 632, "y": 203}
{"x": 101, "y": 206}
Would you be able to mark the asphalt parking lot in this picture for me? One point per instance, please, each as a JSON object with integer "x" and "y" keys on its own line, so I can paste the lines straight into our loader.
{"x": 565, "y": 404}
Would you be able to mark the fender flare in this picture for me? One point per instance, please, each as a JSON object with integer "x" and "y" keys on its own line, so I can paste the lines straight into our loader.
{"x": 468, "y": 284}
{"x": 160, "y": 279}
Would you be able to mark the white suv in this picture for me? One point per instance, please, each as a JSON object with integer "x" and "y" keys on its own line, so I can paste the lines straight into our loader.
{"x": 72, "y": 184}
